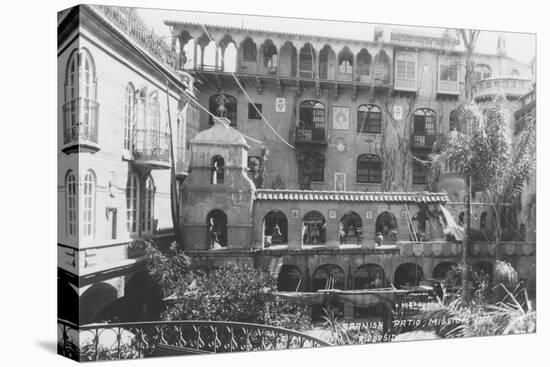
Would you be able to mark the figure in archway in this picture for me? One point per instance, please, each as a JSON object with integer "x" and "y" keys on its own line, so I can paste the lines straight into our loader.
{"x": 386, "y": 224}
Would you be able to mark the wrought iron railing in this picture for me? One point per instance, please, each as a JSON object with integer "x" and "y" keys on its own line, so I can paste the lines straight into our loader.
{"x": 509, "y": 86}
{"x": 422, "y": 140}
{"x": 80, "y": 121}
{"x": 310, "y": 136}
{"x": 157, "y": 338}
{"x": 128, "y": 22}
{"x": 151, "y": 145}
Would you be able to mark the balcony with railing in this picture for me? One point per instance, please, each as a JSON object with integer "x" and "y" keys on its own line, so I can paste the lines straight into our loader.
{"x": 80, "y": 125}
{"x": 422, "y": 140}
{"x": 128, "y": 22}
{"x": 310, "y": 136}
{"x": 511, "y": 87}
{"x": 151, "y": 148}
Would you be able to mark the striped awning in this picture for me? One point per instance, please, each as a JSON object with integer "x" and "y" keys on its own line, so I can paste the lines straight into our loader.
{"x": 351, "y": 196}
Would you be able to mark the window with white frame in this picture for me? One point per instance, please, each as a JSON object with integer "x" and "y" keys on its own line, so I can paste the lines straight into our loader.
{"x": 154, "y": 128}
{"x": 71, "y": 204}
{"x": 80, "y": 109}
{"x": 132, "y": 203}
{"x": 88, "y": 204}
{"x": 448, "y": 72}
{"x": 128, "y": 115}
{"x": 147, "y": 206}
{"x": 405, "y": 71}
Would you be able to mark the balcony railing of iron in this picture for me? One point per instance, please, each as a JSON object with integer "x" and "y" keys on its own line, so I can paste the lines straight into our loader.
{"x": 151, "y": 145}
{"x": 422, "y": 140}
{"x": 129, "y": 23}
{"x": 310, "y": 135}
{"x": 149, "y": 339}
{"x": 80, "y": 121}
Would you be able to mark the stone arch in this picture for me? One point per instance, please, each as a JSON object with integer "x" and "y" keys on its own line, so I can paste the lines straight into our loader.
{"x": 216, "y": 226}
{"x": 217, "y": 165}
{"x": 327, "y": 60}
{"x": 328, "y": 276}
{"x": 369, "y": 276}
{"x": 275, "y": 228}
{"x": 351, "y": 228}
{"x": 270, "y": 56}
{"x": 67, "y": 302}
{"x": 382, "y": 67}
{"x": 308, "y": 61}
{"x": 386, "y": 224}
{"x": 408, "y": 275}
{"x": 142, "y": 299}
{"x": 345, "y": 61}
{"x": 363, "y": 66}
{"x": 249, "y": 50}
{"x": 94, "y": 301}
{"x": 313, "y": 228}
{"x": 442, "y": 269}
{"x": 288, "y": 59}
{"x": 229, "y": 51}
{"x": 289, "y": 279}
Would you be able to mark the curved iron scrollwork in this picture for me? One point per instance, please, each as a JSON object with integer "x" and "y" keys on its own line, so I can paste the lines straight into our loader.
{"x": 161, "y": 338}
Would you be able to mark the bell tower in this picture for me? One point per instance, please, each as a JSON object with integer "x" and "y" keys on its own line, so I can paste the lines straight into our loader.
{"x": 218, "y": 195}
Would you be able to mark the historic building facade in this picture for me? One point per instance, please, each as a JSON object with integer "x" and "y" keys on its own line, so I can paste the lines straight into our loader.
{"x": 117, "y": 96}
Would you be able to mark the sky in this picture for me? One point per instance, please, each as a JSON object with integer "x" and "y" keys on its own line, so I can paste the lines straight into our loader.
{"x": 520, "y": 46}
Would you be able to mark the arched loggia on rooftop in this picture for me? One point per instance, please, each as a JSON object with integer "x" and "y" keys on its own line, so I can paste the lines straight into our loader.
{"x": 308, "y": 61}
{"x": 275, "y": 228}
{"x": 288, "y": 59}
{"x": 228, "y": 48}
{"x": 327, "y": 62}
{"x": 270, "y": 57}
{"x": 382, "y": 67}
{"x": 351, "y": 228}
{"x": 345, "y": 64}
{"x": 363, "y": 68}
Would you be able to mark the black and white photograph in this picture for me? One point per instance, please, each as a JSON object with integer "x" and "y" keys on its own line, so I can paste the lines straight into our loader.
{"x": 232, "y": 183}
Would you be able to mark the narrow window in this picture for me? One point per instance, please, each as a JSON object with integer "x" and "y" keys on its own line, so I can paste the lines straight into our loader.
{"x": 71, "y": 197}
{"x": 311, "y": 168}
{"x": 147, "y": 206}
{"x": 128, "y": 115}
{"x": 419, "y": 173}
{"x": 88, "y": 204}
{"x": 218, "y": 165}
{"x": 132, "y": 203}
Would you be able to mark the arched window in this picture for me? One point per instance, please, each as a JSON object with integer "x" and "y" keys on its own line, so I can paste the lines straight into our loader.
{"x": 275, "y": 228}
{"x": 386, "y": 225}
{"x": 270, "y": 56}
{"x": 369, "y": 276}
{"x": 312, "y": 114}
{"x": 249, "y": 50}
{"x": 230, "y": 58}
{"x": 345, "y": 61}
{"x": 328, "y": 276}
{"x": 311, "y": 167}
{"x": 514, "y": 72}
{"x": 382, "y": 68}
{"x": 369, "y": 119}
{"x": 287, "y": 61}
{"x": 128, "y": 115}
{"x": 132, "y": 203}
{"x": 351, "y": 228}
{"x": 424, "y": 122}
{"x": 71, "y": 203}
{"x": 313, "y": 228}
{"x": 216, "y": 223}
{"x": 147, "y": 205}
{"x": 363, "y": 63}
{"x": 223, "y": 105}
{"x": 218, "y": 166}
{"x": 211, "y": 57}
{"x": 289, "y": 279}
{"x": 308, "y": 61}
{"x": 153, "y": 124}
{"x": 80, "y": 109}
{"x": 420, "y": 171}
{"x": 88, "y": 204}
{"x": 408, "y": 275}
{"x": 482, "y": 71}
{"x": 369, "y": 169}
{"x": 326, "y": 62}
{"x": 453, "y": 121}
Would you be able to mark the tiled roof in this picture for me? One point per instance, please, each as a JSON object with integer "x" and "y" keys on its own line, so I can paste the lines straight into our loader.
{"x": 351, "y": 196}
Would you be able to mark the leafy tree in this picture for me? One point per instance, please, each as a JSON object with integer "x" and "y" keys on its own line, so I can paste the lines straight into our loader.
{"x": 233, "y": 293}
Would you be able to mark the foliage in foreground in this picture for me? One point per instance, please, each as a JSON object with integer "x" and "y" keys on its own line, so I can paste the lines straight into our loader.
{"x": 233, "y": 293}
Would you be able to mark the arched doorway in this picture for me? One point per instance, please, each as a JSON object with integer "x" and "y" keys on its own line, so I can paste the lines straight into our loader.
{"x": 351, "y": 228}
{"x": 328, "y": 276}
{"x": 386, "y": 224}
{"x": 93, "y": 302}
{"x": 408, "y": 275}
{"x": 369, "y": 276}
{"x": 275, "y": 228}
{"x": 289, "y": 279}
{"x": 216, "y": 225}
{"x": 442, "y": 269}
{"x": 313, "y": 228}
